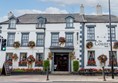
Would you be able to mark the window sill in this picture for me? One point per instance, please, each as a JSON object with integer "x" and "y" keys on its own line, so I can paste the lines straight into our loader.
{"x": 114, "y": 65}
{"x": 69, "y": 27}
{"x": 11, "y": 28}
{"x": 112, "y": 40}
{"x": 40, "y": 27}
{"x": 90, "y": 40}
{"x": 91, "y": 65}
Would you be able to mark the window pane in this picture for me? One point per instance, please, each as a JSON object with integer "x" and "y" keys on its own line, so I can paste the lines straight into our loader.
{"x": 23, "y": 59}
{"x": 91, "y": 58}
{"x": 113, "y": 34}
{"x": 40, "y": 39}
{"x": 55, "y": 39}
{"x": 12, "y": 23}
{"x": 69, "y": 39}
{"x": 25, "y": 39}
{"x": 9, "y": 58}
{"x": 90, "y": 33}
{"x": 114, "y": 58}
{"x": 39, "y": 59}
{"x": 10, "y": 39}
{"x": 69, "y": 22}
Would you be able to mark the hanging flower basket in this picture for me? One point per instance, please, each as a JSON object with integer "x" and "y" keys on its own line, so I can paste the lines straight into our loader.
{"x": 15, "y": 57}
{"x": 115, "y": 45}
{"x": 102, "y": 58}
{"x": 30, "y": 59}
{"x": 89, "y": 45}
{"x": 71, "y": 54}
{"x": 50, "y": 55}
{"x": 62, "y": 40}
{"x": 31, "y": 44}
{"x": 16, "y": 44}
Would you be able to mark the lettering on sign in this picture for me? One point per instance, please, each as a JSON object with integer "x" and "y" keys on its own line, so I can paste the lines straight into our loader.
{"x": 100, "y": 43}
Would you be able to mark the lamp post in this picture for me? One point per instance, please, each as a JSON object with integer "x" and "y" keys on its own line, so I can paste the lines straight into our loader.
{"x": 111, "y": 53}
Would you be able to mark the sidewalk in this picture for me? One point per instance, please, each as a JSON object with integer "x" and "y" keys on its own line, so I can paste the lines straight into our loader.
{"x": 42, "y": 78}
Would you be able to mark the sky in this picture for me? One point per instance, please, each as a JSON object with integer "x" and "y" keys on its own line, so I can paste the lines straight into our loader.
{"x": 20, "y": 7}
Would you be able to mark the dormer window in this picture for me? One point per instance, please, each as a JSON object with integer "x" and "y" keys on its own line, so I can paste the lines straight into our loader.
{"x": 12, "y": 23}
{"x": 69, "y": 22}
{"x": 41, "y": 22}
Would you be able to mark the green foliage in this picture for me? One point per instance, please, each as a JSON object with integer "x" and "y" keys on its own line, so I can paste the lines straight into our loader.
{"x": 75, "y": 66}
{"x": 46, "y": 64}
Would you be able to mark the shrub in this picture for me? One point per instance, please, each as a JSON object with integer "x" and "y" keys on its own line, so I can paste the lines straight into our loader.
{"x": 75, "y": 66}
{"x": 46, "y": 64}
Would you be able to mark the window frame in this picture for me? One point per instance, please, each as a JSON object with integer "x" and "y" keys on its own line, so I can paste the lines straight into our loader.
{"x": 88, "y": 57}
{"x": 114, "y": 52}
{"x": 12, "y": 23}
{"x": 70, "y": 40}
{"x": 41, "y": 56}
{"x": 69, "y": 22}
{"x": 9, "y": 39}
{"x": 91, "y": 32}
{"x": 41, "y": 22}
{"x": 22, "y": 40}
{"x": 42, "y": 34}
{"x": 53, "y": 33}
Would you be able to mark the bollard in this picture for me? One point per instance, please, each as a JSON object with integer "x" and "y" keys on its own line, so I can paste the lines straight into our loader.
{"x": 47, "y": 73}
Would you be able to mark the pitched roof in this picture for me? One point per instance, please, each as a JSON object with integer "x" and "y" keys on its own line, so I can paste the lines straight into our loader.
{"x": 60, "y": 18}
{"x": 100, "y": 18}
{"x": 50, "y": 18}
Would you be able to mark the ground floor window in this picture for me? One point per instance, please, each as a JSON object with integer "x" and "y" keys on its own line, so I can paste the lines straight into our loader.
{"x": 91, "y": 58}
{"x": 114, "y": 58}
{"x": 9, "y": 58}
{"x": 23, "y": 59}
{"x": 39, "y": 59}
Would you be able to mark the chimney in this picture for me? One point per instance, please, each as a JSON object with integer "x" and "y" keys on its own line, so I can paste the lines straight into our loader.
{"x": 10, "y": 14}
{"x": 81, "y": 9}
{"x": 99, "y": 9}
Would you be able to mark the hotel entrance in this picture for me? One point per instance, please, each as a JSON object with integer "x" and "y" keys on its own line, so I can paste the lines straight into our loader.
{"x": 61, "y": 61}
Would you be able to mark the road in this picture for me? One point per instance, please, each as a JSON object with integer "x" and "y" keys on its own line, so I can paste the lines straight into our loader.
{"x": 62, "y": 82}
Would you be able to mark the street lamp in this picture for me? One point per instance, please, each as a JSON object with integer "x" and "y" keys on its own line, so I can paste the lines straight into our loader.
{"x": 111, "y": 53}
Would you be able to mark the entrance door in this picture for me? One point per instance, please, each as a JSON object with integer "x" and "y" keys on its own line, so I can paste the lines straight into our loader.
{"x": 61, "y": 62}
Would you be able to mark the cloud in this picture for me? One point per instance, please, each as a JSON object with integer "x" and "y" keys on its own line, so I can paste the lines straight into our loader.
{"x": 50, "y": 10}
{"x": 88, "y": 3}
{"x": 4, "y": 18}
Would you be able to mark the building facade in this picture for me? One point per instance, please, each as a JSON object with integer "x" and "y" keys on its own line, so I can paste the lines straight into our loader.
{"x": 61, "y": 38}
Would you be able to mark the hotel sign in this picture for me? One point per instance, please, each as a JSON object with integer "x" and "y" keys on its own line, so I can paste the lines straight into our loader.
{"x": 100, "y": 43}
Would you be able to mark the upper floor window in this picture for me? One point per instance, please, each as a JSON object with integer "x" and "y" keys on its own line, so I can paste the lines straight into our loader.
{"x": 113, "y": 33}
{"x": 12, "y": 23}
{"x": 24, "y": 39}
{"x": 41, "y": 22}
{"x": 90, "y": 32}
{"x": 69, "y": 22}
{"x": 40, "y": 39}
{"x": 10, "y": 39}
{"x": 54, "y": 39}
{"x": 69, "y": 39}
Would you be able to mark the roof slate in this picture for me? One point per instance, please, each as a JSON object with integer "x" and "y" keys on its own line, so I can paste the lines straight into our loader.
{"x": 60, "y": 18}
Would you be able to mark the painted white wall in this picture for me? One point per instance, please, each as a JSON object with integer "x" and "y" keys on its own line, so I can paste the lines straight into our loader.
{"x": 101, "y": 33}
{"x": 31, "y": 28}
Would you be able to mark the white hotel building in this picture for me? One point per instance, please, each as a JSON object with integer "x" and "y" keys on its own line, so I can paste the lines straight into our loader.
{"x": 46, "y": 29}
